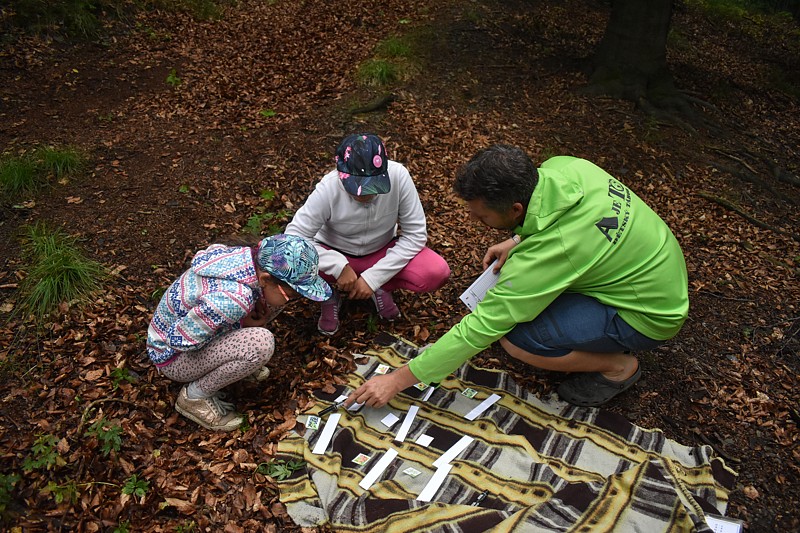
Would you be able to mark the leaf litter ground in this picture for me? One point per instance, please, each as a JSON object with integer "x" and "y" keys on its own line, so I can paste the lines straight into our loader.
{"x": 262, "y": 101}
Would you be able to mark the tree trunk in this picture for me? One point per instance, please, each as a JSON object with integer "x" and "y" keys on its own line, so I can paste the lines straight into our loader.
{"x": 631, "y": 60}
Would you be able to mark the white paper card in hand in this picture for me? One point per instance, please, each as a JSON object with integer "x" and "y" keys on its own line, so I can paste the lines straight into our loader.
{"x": 475, "y": 292}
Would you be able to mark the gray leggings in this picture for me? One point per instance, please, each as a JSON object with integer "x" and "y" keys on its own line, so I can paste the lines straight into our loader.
{"x": 225, "y": 360}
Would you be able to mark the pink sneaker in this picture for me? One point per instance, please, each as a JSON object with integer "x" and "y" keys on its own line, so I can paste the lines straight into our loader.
{"x": 385, "y": 305}
{"x": 328, "y": 323}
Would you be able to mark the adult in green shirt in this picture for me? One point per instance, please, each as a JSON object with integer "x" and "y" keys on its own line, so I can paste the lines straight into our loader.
{"x": 590, "y": 275}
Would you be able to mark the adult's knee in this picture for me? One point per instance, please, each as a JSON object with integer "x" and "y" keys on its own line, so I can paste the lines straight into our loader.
{"x": 558, "y": 364}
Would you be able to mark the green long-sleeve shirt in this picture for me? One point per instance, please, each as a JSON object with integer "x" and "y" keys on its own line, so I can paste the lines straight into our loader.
{"x": 584, "y": 232}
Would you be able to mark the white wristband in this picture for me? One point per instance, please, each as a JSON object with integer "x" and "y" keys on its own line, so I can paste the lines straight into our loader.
{"x": 516, "y": 238}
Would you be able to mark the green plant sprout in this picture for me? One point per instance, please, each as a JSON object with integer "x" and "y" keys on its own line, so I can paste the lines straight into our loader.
{"x": 372, "y": 324}
{"x": 66, "y": 492}
{"x": 135, "y": 486}
{"x": 107, "y": 434}
{"x": 267, "y": 113}
{"x": 187, "y": 527}
{"x": 120, "y": 374}
{"x": 255, "y": 224}
{"x": 278, "y": 469}
{"x": 43, "y": 454}
{"x": 157, "y": 293}
{"x": 172, "y": 78}
{"x": 7, "y": 483}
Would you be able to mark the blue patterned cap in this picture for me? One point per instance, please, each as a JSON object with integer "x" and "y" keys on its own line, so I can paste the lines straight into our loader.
{"x": 362, "y": 164}
{"x": 295, "y": 262}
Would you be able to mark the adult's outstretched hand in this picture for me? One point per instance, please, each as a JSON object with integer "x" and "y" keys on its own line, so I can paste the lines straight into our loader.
{"x": 379, "y": 390}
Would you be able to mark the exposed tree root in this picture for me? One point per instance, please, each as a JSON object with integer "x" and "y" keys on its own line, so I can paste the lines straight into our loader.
{"x": 379, "y": 103}
{"x": 751, "y": 175}
{"x": 741, "y": 212}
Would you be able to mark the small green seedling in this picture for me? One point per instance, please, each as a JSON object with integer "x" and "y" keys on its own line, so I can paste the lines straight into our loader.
{"x": 267, "y": 113}
{"x": 119, "y": 375}
{"x": 172, "y": 78}
{"x": 61, "y": 493}
{"x": 107, "y": 434}
{"x": 372, "y": 324}
{"x": 135, "y": 486}
{"x": 278, "y": 469}
{"x": 43, "y": 454}
{"x": 7, "y": 482}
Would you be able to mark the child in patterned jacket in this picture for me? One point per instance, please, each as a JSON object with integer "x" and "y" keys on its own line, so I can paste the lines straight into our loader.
{"x": 209, "y": 328}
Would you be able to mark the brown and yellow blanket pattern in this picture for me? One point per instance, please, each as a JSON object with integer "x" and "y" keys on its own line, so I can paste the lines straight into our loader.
{"x": 545, "y": 465}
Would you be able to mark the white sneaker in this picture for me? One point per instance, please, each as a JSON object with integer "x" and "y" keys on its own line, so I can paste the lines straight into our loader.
{"x": 262, "y": 374}
{"x": 211, "y": 413}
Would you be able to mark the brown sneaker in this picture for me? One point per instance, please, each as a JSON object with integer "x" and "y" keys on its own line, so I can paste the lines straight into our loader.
{"x": 211, "y": 413}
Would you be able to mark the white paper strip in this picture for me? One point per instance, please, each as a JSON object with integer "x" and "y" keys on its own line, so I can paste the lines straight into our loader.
{"x": 453, "y": 452}
{"x": 327, "y": 434}
{"x": 484, "y": 405}
{"x": 341, "y": 398}
{"x": 434, "y": 484}
{"x": 406, "y": 425}
{"x": 427, "y": 395}
{"x": 423, "y": 440}
{"x": 373, "y": 475}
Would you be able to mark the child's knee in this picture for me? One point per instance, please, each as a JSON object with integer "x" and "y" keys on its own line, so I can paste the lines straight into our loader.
{"x": 436, "y": 276}
{"x": 263, "y": 344}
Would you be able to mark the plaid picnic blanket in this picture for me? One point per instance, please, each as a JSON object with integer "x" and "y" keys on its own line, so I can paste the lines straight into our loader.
{"x": 545, "y": 465}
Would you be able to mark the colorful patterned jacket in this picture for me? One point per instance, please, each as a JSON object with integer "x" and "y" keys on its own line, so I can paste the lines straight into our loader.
{"x": 207, "y": 300}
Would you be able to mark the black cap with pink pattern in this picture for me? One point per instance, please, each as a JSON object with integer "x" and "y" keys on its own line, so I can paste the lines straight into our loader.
{"x": 362, "y": 164}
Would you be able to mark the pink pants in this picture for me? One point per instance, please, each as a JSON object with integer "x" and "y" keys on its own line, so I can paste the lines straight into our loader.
{"x": 426, "y": 272}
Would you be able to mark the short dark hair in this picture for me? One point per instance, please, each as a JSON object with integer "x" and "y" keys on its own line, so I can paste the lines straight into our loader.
{"x": 500, "y": 175}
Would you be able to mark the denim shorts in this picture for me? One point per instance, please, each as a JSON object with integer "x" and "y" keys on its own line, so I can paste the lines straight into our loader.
{"x": 578, "y": 322}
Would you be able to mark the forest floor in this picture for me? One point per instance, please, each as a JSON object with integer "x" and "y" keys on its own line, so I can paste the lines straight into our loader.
{"x": 265, "y": 94}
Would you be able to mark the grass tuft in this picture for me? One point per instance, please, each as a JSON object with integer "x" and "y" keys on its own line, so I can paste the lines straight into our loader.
{"x": 377, "y": 72}
{"x": 58, "y": 272}
{"x": 59, "y": 162}
{"x": 29, "y": 173}
{"x": 19, "y": 176}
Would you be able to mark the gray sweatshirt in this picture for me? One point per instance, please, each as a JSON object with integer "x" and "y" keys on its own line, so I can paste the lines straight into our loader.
{"x": 332, "y": 217}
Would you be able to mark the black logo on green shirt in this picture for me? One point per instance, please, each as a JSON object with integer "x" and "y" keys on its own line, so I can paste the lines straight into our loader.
{"x": 620, "y": 206}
